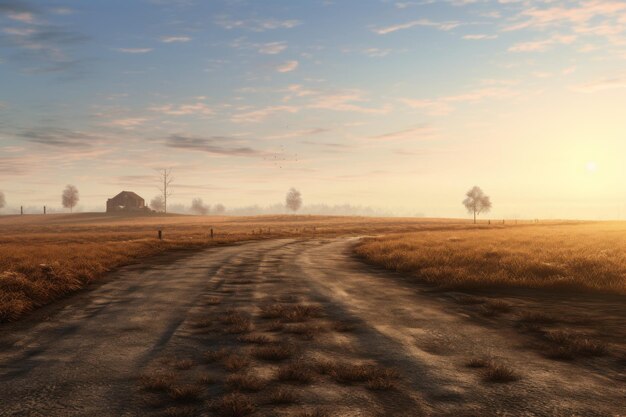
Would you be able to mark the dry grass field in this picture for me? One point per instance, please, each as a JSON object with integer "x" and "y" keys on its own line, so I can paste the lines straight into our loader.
{"x": 581, "y": 257}
{"x": 45, "y": 257}
{"x": 293, "y": 323}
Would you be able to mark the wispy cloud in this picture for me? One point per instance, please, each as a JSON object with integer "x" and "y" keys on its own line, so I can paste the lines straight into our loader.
{"x": 198, "y": 108}
{"x": 287, "y": 66}
{"x": 24, "y": 17}
{"x": 16, "y": 6}
{"x": 377, "y": 52}
{"x": 342, "y": 100}
{"x": 543, "y": 44}
{"x": 422, "y": 132}
{"x": 134, "y": 50}
{"x": 479, "y": 37}
{"x": 43, "y": 47}
{"x": 175, "y": 39}
{"x": 299, "y": 133}
{"x": 127, "y": 123}
{"x": 596, "y": 18}
{"x": 444, "y": 105}
{"x": 350, "y": 101}
{"x": 262, "y": 113}
{"x": 14, "y": 166}
{"x": 609, "y": 83}
{"x": 433, "y": 107}
{"x": 272, "y": 48}
{"x": 59, "y": 137}
{"x": 421, "y": 22}
{"x": 213, "y": 145}
{"x": 257, "y": 25}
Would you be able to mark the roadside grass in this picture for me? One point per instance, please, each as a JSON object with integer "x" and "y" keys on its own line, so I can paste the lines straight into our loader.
{"x": 43, "y": 258}
{"x": 314, "y": 413}
{"x": 183, "y": 364}
{"x": 282, "y": 395}
{"x": 181, "y": 411}
{"x": 500, "y": 373}
{"x": 296, "y": 372}
{"x": 235, "y": 362}
{"x": 493, "y": 371}
{"x": 374, "y": 377}
{"x": 211, "y": 356}
{"x": 290, "y": 313}
{"x": 236, "y": 322}
{"x": 185, "y": 392}
{"x": 492, "y": 308}
{"x": 578, "y": 257}
{"x": 568, "y": 345}
{"x": 206, "y": 379}
{"x": 275, "y": 326}
{"x": 274, "y": 352}
{"x": 234, "y": 405}
{"x": 530, "y": 317}
{"x": 305, "y": 331}
{"x": 256, "y": 339}
{"x": 158, "y": 381}
{"x": 245, "y": 382}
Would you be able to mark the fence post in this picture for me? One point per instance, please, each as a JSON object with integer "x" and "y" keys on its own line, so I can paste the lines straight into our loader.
{"x": 160, "y": 234}
{"x": 211, "y": 233}
{"x": 21, "y": 210}
{"x": 44, "y": 209}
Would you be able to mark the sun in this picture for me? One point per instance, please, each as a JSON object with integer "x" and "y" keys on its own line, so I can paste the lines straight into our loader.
{"x": 592, "y": 166}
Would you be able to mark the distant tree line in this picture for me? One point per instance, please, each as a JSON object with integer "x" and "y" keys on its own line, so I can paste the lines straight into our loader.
{"x": 476, "y": 202}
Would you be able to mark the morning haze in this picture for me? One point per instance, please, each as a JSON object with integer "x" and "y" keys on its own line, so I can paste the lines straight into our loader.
{"x": 312, "y": 208}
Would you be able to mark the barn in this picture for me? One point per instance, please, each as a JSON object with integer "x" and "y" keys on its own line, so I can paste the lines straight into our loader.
{"x": 126, "y": 201}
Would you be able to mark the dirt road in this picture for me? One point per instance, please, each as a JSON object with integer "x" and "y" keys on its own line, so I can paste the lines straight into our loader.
{"x": 85, "y": 357}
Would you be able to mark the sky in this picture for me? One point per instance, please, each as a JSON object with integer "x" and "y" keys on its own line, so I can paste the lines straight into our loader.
{"x": 399, "y": 106}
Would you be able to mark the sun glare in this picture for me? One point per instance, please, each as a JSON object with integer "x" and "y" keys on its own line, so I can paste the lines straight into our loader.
{"x": 592, "y": 166}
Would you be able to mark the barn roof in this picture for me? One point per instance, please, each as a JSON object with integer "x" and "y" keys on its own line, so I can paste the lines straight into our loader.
{"x": 127, "y": 194}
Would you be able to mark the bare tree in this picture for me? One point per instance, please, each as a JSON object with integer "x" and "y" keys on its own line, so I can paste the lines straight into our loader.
{"x": 198, "y": 207}
{"x": 70, "y": 197}
{"x": 165, "y": 180}
{"x": 157, "y": 203}
{"x": 293, "y": 200}
{"x": 219, "y": 208}
{"x": 3, "y": 201}
{"x": 477, "y": 202}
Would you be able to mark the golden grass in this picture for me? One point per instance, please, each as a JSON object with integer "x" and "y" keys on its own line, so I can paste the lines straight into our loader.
{"x": 567, "y": 345}
{"x": 185, "y": 393}
{"x": 290, "y": 313}
{"x": 494, "y": 371}
{"x": 273, "y": 353}
{"x": 297, "y": 372}
{"x": 235, "y": 362}
{"x": 245, "y": 382}
{"x": 282, "y": 395}
{"x": 43, "y": 258}
{"x": 583, "y": 257}
{"x": 234, "y": 405}
{"x": 158, "y": 381}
